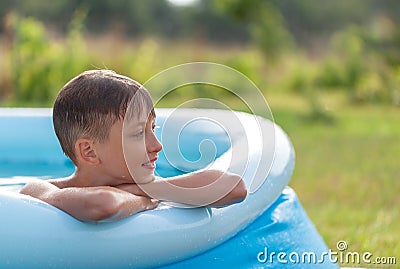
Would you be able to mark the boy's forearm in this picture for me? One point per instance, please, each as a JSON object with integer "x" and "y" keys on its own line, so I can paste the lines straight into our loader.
{"x": 70, "y": 200}
{"x": 211, "y": 187}
{"x": 90, "y": 204}
{"x": 41, "y": 190}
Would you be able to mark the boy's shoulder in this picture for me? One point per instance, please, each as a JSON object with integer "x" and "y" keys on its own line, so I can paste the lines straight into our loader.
{"x": 62, "y": 183}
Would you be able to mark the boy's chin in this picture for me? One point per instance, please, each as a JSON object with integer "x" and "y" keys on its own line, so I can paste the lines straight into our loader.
{"x": 145, "y": 180}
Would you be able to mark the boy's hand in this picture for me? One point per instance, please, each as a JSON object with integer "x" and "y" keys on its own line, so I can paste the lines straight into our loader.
{"x": 132, "y": 188}
{"x": 209, "y": 187}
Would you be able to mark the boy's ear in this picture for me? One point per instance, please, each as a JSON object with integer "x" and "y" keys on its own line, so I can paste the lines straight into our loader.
{"x": 85, "y": 151}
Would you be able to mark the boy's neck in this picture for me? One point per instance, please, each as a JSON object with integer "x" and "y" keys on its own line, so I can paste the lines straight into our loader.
{"x": 85, "y": 178}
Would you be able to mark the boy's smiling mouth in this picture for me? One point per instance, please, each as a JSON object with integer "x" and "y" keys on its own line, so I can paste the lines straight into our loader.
{"x": 150, "y": 164}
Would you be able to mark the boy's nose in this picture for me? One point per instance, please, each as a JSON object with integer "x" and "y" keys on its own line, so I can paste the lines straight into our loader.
{"x": 152, "y": 143}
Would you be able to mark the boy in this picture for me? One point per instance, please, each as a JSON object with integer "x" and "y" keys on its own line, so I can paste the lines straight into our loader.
{"x": 88, "y": 115}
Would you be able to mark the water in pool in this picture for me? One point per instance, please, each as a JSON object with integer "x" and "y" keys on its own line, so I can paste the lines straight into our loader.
{"x": 14, "y": 175}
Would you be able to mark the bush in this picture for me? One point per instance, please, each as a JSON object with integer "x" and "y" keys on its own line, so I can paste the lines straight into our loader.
{"x": 40, "y": 67}
{"x": 330, "y": 74}
{"x": 370, "y": 88}
{"x": 355, "y": 65}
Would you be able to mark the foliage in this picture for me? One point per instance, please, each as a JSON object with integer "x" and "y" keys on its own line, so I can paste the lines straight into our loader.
{"x": 353, "y": 65}
{"x": 134, "y": 17}
{"x": 40, "y": 67}
{"x": 361, "y": 69}
{"x": 265, "y": 23}
{"x": 362, "y": 58}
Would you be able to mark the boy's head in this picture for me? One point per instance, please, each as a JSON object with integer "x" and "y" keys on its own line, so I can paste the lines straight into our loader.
{"x": 90, "y": 104}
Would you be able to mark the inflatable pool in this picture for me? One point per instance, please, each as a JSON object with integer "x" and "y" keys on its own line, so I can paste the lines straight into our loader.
{"x": 270, "y": 220}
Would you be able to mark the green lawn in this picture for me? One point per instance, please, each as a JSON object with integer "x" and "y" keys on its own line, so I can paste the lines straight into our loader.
{"x": 347, "y": 172}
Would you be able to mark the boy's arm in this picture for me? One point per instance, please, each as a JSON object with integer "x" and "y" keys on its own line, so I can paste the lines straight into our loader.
{"x": 91, "y": 203}
{"x": 209, "y": 187}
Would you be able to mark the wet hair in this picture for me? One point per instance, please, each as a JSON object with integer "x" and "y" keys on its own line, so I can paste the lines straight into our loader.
{"x": 90, "y": 104}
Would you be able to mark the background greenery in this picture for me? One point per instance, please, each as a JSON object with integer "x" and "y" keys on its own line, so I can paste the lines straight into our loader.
{"x": 330, "y": 72}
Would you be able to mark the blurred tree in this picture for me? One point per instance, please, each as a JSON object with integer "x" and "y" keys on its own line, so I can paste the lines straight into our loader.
{"x": 264, "y": 20}
{"x": 272, "y": 23}
{"x": 310, "y": 21}
{"x": 134, "y": 17}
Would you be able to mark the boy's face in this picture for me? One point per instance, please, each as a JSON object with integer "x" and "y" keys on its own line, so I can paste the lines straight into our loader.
{"x": 141, "y": 148}
{"x": 131, "y": 151}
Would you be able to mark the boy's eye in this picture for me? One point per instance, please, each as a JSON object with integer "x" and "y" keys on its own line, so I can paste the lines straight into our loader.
{"x": 140, "y": 133}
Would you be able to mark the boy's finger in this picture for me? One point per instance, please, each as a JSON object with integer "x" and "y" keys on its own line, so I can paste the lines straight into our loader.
{"x": 152, "y": 204}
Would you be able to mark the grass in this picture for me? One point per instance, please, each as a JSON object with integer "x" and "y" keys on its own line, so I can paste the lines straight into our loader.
{"x": 347, "y": 171}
